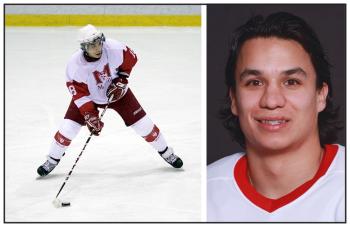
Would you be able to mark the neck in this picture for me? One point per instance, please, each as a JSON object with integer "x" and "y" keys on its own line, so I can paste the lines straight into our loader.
{"x": 276, "y": 174}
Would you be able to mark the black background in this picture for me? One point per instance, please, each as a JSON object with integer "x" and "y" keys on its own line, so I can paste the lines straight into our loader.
{"x": 327, "y": 20}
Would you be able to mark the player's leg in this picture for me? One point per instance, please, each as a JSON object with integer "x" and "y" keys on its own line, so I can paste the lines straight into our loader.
{"x": 134, "y": 116}
{"x": 67, "y": 131}
{"x": 151, "y": 133}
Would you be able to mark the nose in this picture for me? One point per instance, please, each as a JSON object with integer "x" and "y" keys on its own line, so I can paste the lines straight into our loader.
{"x": 272, "y": 97}
{"x": 97, "y": 47}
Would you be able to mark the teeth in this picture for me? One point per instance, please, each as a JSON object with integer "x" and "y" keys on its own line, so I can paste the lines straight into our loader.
{"x": 273, "y": 122}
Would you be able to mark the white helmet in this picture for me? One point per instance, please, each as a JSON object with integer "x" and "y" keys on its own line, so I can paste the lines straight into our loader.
{"x": 89, "y": 34}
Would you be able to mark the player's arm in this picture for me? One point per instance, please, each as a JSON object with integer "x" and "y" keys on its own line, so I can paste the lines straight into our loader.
{"x": 129, "y": 61}
{"x": 87, "y": 108}
{"x": 119, "y": 85}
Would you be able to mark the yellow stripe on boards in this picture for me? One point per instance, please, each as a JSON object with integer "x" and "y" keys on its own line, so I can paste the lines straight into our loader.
{"x": 102, "y": 20}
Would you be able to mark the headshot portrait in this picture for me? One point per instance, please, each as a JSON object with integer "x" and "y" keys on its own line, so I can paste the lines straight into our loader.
{"x": 276, "y": 113}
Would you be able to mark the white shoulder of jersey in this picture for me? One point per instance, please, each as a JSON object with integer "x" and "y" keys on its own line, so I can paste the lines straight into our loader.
{"x": 335, "y": 175}
{"x": 114, "y": 50}
{"x": 75, "y": 64}
{"x": 112, "y": 44}
{"x": 338, "y": 164}
{"x": 223, "y": 167}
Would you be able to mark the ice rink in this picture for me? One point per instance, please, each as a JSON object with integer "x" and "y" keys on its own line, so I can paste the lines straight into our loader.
{"x": 119, "y": 178}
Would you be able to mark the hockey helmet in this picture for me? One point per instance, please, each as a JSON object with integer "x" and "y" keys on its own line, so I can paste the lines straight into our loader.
{"x": 88, "y": 35}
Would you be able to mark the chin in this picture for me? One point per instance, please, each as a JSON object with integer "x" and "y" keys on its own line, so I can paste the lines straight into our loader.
{"x": 273, "y": 143}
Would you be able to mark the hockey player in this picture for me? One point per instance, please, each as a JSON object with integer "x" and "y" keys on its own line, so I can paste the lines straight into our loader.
{"x": 279, "y": 109}
{"x": 93, "y": 74}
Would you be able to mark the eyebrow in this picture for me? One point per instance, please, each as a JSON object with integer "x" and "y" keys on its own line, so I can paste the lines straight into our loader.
{"x": 254, "y": 72}
{"x": 296, "y": 70}
{"x": 248, "y": 72}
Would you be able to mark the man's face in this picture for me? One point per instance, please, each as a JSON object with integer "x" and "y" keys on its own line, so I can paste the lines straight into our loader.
{"x": 276, "y": 98}
{"x": 94, "y": 49}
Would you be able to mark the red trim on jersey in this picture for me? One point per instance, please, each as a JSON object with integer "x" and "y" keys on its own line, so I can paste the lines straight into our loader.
{"x": 62, "y": 139}
{"x": 77, "y": 89}
{"x": 153, "y": 135}
{"x": 87, "y": 107}
{"x": 129, "y": 60}
{"x": 241, "y": 176}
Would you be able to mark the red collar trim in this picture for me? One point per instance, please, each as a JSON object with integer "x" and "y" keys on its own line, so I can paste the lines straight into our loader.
{"x": 270, "y": 205}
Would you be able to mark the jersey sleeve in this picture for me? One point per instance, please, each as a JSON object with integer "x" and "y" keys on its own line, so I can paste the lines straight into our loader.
{"x": 79, "y": 91}
{"x": 129, "y": 61}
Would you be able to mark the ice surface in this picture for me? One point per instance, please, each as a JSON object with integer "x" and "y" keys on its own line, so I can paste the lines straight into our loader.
{"x": 119, "y": 177}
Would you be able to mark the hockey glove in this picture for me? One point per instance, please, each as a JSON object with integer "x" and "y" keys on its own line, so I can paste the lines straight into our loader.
{"x": 118, "y": 88}
{"x": 93, "y": 122}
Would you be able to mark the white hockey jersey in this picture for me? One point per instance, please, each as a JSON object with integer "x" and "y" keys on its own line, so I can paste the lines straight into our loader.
{"x": 89, "y": 81}
{"x": 231, "y": 197}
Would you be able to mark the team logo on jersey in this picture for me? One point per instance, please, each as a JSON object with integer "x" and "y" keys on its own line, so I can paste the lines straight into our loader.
{"x": 100, "y": 77}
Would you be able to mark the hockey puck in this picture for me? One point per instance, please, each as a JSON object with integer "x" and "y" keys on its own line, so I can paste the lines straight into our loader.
{"x": 58, "y": 203}
{"x": 65, "y": 204}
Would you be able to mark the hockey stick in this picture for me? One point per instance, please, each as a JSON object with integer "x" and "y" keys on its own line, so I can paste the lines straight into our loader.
{"x": 57, "y": 202}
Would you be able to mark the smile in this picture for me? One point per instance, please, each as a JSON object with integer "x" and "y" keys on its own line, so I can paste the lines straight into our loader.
{"x": 272, "y": 125}
{"x": 273, "y": 122}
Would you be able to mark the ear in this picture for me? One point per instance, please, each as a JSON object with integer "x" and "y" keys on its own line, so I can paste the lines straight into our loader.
{"x": 233, "y": 102}
{"x": 322, "y": 97}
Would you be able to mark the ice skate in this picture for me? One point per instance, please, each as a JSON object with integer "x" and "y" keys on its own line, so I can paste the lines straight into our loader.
{"x": 47, "y": 167}
{"x": 169, "y": 156}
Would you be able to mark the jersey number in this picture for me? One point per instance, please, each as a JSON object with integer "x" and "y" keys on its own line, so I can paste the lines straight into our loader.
{"x": 72, "y": 90}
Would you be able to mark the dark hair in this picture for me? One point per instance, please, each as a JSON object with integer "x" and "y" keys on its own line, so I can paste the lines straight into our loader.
{"x": 285, "y": 26}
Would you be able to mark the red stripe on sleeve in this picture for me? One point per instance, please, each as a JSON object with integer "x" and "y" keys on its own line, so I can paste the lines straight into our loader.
{"x": 129, "y": 61}
{"x": 77, "y": 89}
{"x": 87, "y": 107}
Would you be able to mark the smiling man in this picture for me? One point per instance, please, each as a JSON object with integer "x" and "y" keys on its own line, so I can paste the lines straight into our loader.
{"x": 280, "y": 111}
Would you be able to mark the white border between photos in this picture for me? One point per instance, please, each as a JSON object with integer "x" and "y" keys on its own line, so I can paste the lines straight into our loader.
{"x": 204, "y": 112}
